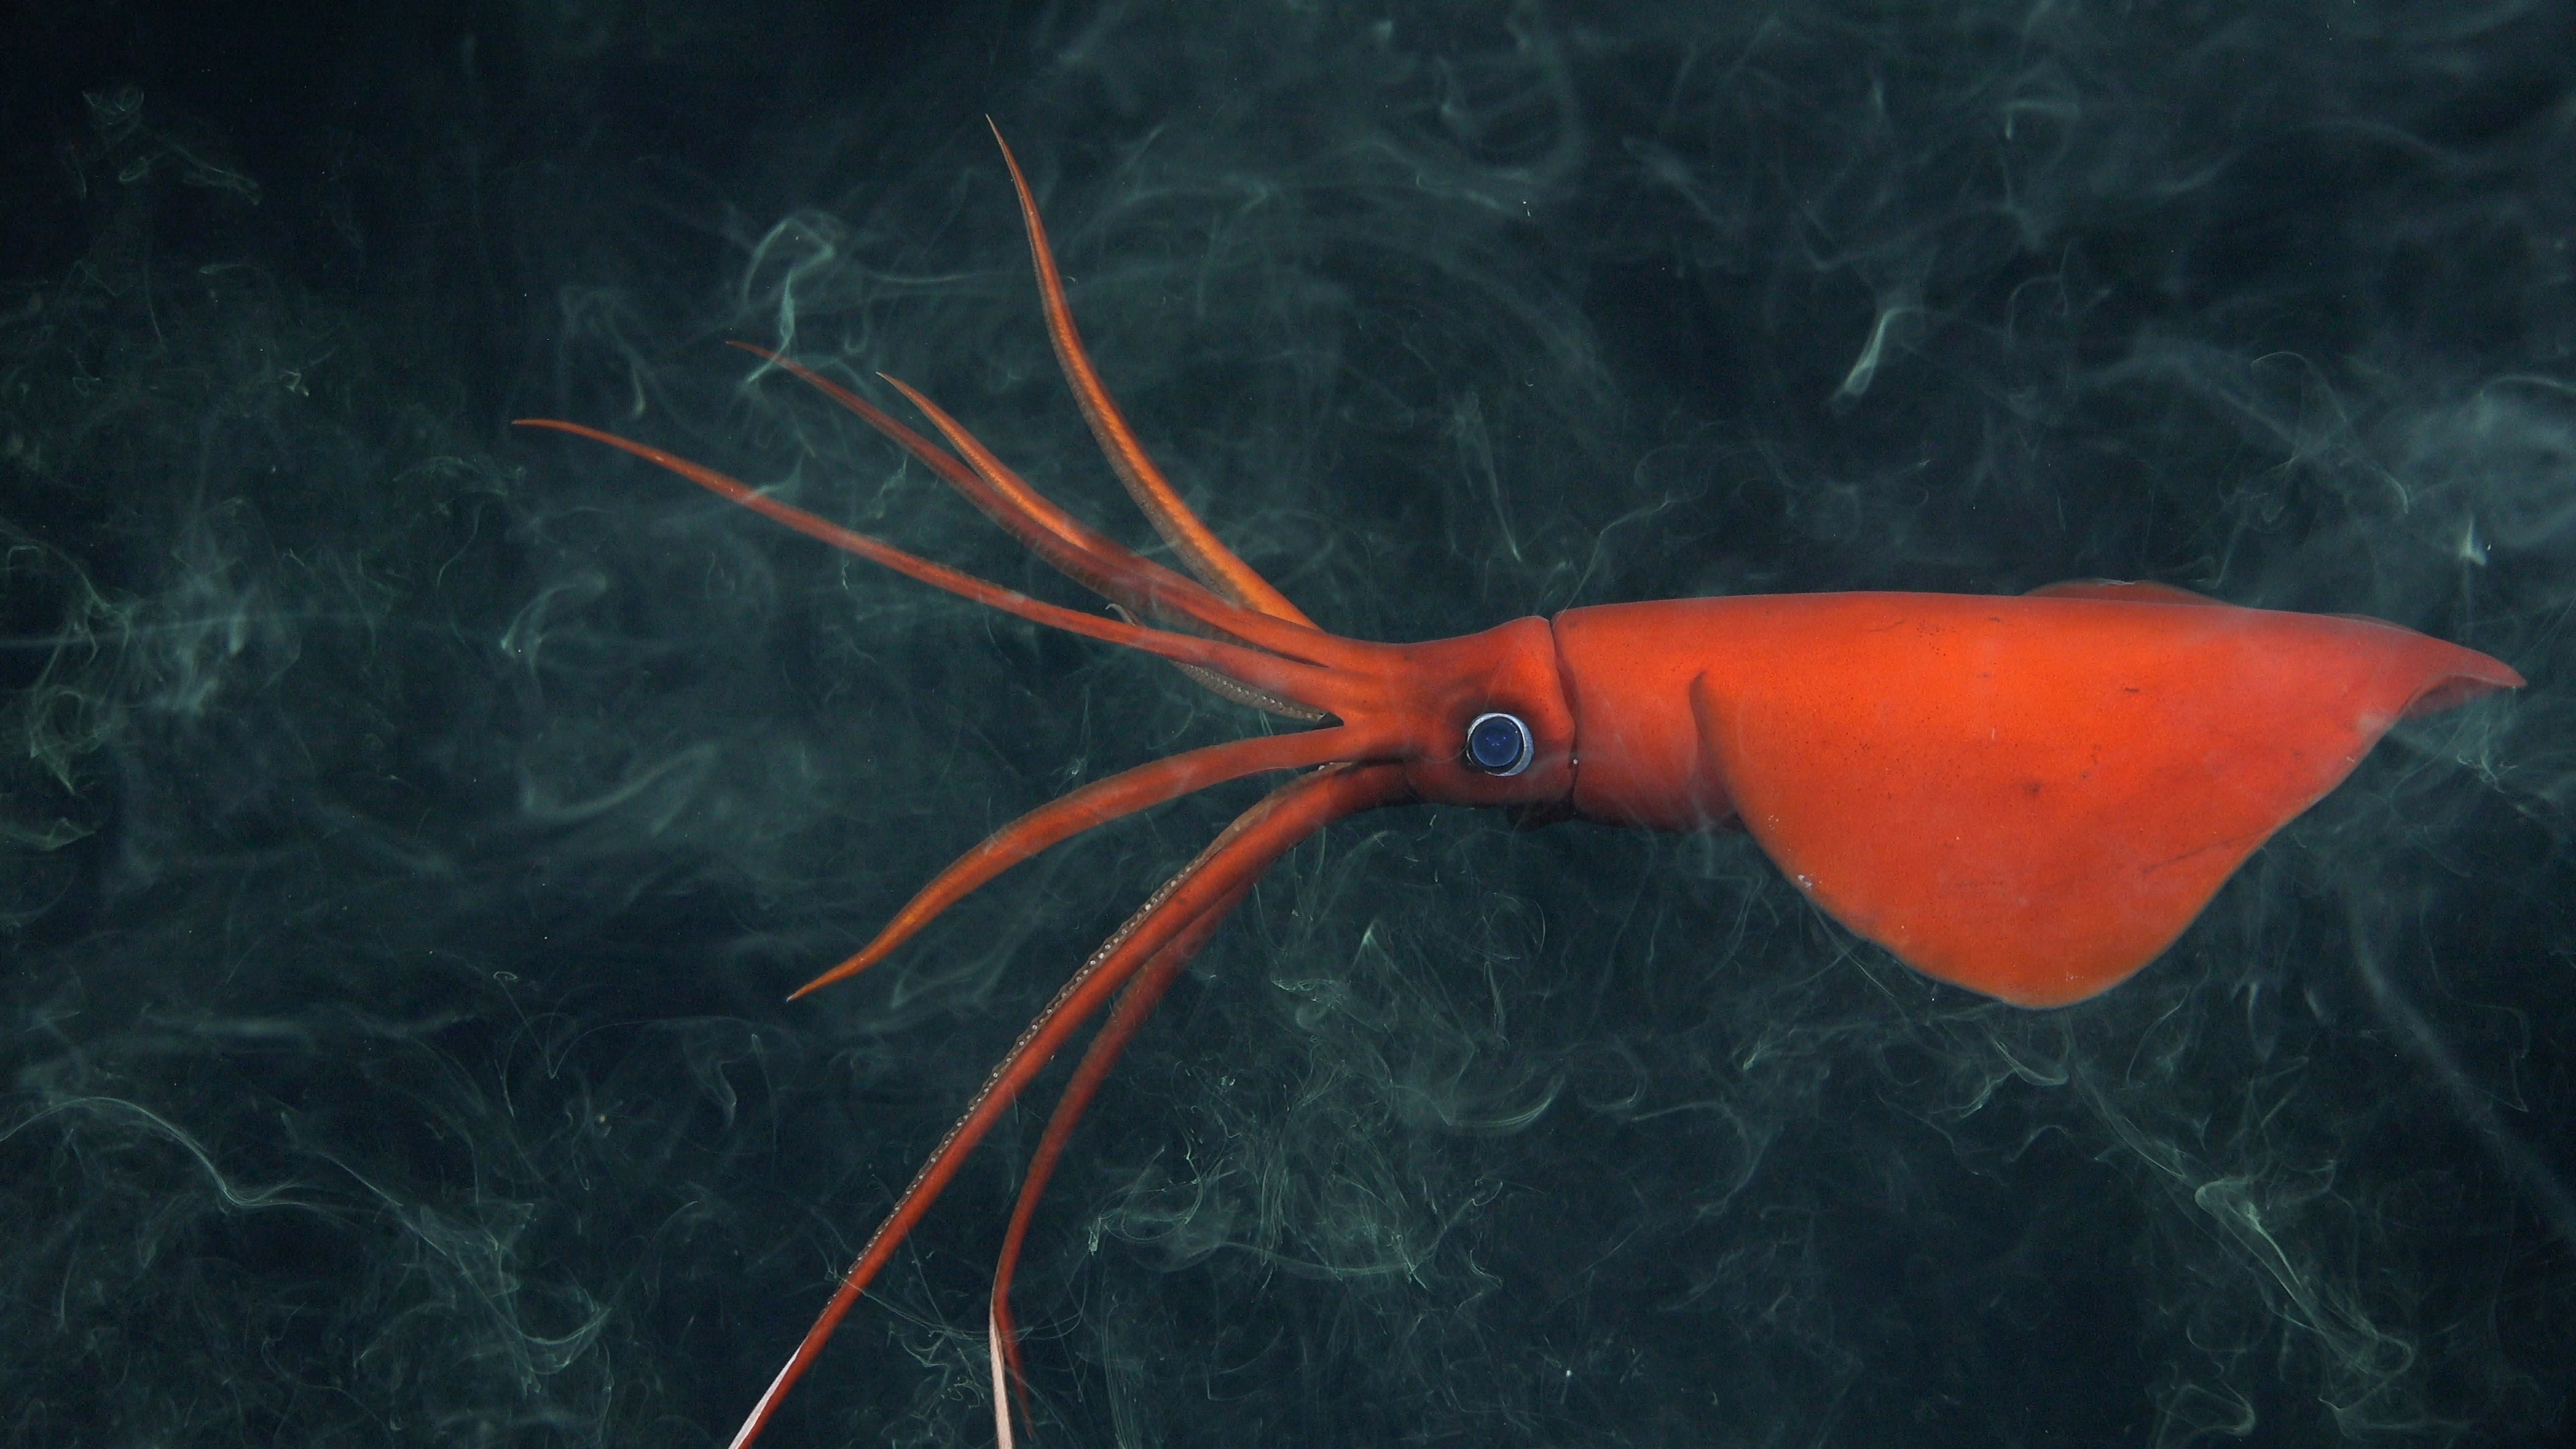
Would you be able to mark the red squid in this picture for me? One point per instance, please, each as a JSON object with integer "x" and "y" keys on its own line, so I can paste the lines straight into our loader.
{"x": 2029, "y": 796}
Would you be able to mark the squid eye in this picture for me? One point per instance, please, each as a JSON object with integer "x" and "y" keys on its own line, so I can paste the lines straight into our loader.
{"x": 1499, "y": 744}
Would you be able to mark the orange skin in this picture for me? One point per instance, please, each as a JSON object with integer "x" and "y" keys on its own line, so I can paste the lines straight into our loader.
{"x": 2029, "y": 797}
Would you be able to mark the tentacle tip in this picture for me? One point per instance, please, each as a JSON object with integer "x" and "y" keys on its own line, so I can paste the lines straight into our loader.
{"x": 558, "y": 425}
{"x": 842, "y": 972}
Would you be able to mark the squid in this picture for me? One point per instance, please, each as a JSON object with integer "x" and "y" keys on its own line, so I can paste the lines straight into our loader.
{"x": 2030, "y": 797}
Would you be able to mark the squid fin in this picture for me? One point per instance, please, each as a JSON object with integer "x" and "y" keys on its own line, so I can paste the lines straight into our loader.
{"x": 2032, "y": 798}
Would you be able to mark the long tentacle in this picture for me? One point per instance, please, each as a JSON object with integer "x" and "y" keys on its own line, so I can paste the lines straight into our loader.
{"x": 1246, "y": 848}
{"x": 1297, "y": 639}
{"x": 1198, "y": 546}
{"x": 1074, "y": 549}
{"x": 1084, "y": 554}
{"x": 1136, "y": 1002}
{"x": 1309, "y": 684}
{"x": 1094, "y": 804}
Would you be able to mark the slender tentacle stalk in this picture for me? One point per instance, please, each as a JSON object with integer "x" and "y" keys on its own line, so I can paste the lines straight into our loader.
{"x": 1231, "y": 862}
{"x": 1136, "y": 1002}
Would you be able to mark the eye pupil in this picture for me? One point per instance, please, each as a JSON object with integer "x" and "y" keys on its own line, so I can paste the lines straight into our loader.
{"x": 1499, "y": 744}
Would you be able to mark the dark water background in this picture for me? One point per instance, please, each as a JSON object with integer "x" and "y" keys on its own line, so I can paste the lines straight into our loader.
{"x": 412, "y": 826}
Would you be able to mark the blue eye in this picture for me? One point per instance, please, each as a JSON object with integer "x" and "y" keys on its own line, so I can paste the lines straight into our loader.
{"x": 1499, "y": 744}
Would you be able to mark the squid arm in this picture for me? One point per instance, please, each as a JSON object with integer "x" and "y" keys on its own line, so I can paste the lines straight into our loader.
{"x": 1162, "y": 933}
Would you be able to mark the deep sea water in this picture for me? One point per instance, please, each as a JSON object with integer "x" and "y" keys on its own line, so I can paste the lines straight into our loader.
{"x": 412, "y": 826}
